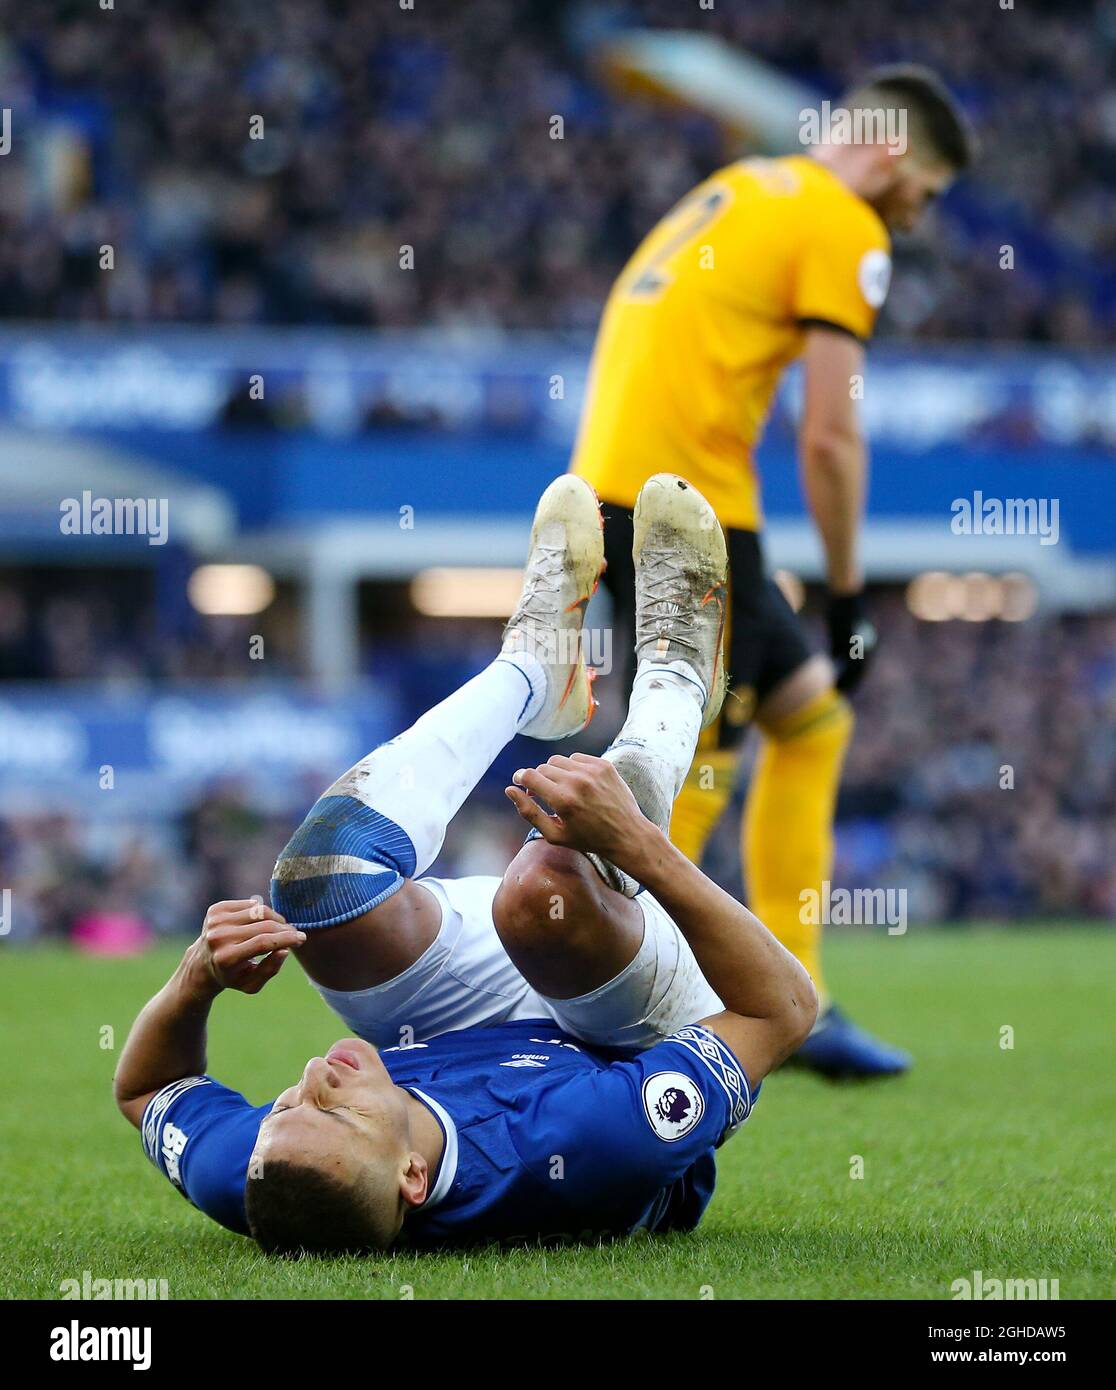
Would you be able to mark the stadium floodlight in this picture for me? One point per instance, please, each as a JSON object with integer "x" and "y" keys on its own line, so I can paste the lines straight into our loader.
{"x": 466, "y": 593}
{"x": 976, "y": 597}
{"x": 1020, "y": 598}
{"x": 230, "y": 590}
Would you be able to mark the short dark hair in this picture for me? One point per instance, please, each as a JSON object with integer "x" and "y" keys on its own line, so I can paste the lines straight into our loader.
{"x": 294, "y": 1209}
{"x": 939, "y": 120}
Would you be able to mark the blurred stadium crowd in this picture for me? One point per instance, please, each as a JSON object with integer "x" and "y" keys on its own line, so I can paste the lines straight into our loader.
{"x": 429, "y": 127}
{"x": 982, "y": 779}
{"x": 106, "y": 630}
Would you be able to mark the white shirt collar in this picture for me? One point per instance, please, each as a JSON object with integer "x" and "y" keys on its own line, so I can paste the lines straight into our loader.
{"x": 447, "y": 1169}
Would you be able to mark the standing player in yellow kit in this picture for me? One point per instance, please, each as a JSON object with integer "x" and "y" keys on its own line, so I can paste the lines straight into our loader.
{"x": 767, "y": 261}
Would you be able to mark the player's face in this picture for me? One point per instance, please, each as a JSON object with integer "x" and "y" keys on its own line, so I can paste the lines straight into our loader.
{"x": 350, "y": 1075}
{"x": 914, "y": 185}
{"x": 346, "y": 1111}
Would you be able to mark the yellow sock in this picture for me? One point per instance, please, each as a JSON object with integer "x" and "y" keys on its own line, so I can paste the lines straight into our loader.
{"x": 788, "y": 821}
{"x": 705, "y": 793}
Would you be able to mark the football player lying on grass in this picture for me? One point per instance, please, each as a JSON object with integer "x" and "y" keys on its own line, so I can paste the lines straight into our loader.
{"x": 555, "y": 1053}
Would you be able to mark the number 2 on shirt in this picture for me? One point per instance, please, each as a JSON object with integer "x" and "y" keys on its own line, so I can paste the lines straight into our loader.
{"x": 693, "y": 215}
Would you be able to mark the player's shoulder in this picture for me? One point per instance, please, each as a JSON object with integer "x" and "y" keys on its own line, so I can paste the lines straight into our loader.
{"x": 200, "y": 1134}
{"x": 705, "y": 1059}
{"x": 690, "y": 1083}
{"x": 803, "y": 191}
{"x": 171, "y": 1099}
{"x": 776, "y": 173}
{"x": 841, "y": 208}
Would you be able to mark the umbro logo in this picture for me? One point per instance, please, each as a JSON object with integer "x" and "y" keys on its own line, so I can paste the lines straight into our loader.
{"x": 527, "y": 1059}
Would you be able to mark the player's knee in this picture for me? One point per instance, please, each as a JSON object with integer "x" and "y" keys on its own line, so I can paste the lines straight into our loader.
{"x": 541, "y": 891}
{"x": 344, "y": 860}
{"x": 804, "y": 1013}
{"x": 844, "y": 717}
{"x": 827, "y": 720}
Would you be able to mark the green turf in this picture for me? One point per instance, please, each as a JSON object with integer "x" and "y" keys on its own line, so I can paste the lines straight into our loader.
{"x": 983, "y": 1158}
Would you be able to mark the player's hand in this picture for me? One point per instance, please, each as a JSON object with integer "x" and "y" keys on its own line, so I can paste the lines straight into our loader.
{"x": 852, "y": 639}
{"x": 234, "y": 935}
{"x": 593, "y": 808}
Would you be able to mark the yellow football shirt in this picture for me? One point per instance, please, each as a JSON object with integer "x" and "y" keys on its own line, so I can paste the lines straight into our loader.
{"x": 709, "y": 311}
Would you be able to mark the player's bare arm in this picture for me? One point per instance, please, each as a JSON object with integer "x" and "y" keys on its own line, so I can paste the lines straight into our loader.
{"x": 832, "y": 455}
{"x": 834, "y": 464}
{"x": 771, "y": 1002}
{"x": 168, "y": 1039}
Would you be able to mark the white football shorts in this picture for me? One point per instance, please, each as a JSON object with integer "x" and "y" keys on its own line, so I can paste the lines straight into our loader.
{"x": 465, "y": 979}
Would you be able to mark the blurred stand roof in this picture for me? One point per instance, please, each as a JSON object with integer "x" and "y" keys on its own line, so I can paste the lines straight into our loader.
{"x": 45, "y": 476}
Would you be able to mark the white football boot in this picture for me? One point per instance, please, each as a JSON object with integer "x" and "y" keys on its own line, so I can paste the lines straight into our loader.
{"x": 564, "y": 566}
{"x": 681, "y": 565}
{"x": 681, "y": 569}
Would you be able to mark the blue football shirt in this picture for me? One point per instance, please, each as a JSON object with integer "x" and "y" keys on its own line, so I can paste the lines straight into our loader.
{"x": 545, "y": 1137}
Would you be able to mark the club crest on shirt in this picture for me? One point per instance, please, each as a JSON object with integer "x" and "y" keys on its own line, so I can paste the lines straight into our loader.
{"x": 874, "y": 277}
{"x": 672, "y": 1103}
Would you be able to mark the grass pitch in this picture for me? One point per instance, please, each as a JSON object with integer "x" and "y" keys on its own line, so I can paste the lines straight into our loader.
{"x": 986, "y": 1157}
